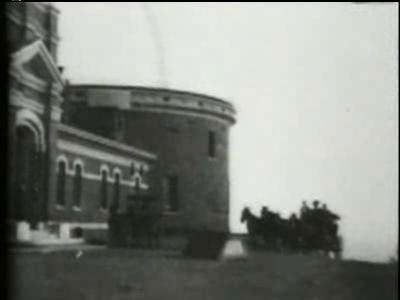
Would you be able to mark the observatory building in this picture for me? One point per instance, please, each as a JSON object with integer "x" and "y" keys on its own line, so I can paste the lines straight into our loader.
{"x": 79, "y": 153}
{"x": 188, "y": 132}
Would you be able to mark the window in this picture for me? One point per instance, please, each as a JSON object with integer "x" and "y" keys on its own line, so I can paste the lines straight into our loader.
{"x": 116, "y": 197}
{"x": 77, "y": 191}
{"x": 171, "y": 193}
{"x": 103, "y": 189}
{"x": 61, "y": 183}
{"x": 132, "y": 169}
{"x": 141, "y": 170}
{"x": 119, "y": 121}
{"x": 211, "y": 144}
{"x": 119, "y": 126}
{"x": 137, "y": 183}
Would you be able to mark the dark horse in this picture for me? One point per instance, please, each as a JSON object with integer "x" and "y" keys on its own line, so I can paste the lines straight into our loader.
{"x": 268, "y": 227}
{"x": 254, "y": 225}
{"x": 314, "y": 233}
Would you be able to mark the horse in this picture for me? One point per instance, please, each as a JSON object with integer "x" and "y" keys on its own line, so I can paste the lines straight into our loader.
{"x": 273, "y": 230}
{"x": 254, "y": 225}
{"x": 289, "y": 234}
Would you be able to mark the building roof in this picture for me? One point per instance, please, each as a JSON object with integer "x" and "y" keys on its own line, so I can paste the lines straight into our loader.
{"x": 106, "y": 142}
{"x": 152, "y": 89}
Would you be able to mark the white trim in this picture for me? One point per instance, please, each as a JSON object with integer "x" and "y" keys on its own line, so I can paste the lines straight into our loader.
{"x": 13, "y": 71}
{"x": 39, "y": 32}
{"x": 97, "y": 177}
{"x": 64, "y": 159}
{"x": 117, "y": 171}
{"x": 93, "y": 153}
{"x": 137, "y": 176}
{"x": 104, "y": 210}
{"x": 71, "y": 172}
{"x": 128, "y": 183}
{"x": 46, "y": 7}
{"x": 33, "y": 81}
{"x": 27, "y": 118}
{"x": 83, "y": 225}
{"x": 136, "y": 167}
{"x": 142, "y": 185}
{"x": 56, "y": 113}
{"x": 77, "y": 208}
{"x": 27, "y": 80}
{"x": 42, "y": 6}
{"x": 60, "y": 207}
{"x": 107, "y": 142}
{"x": 104, "y": 167}
{"x": 28, "y": 52}
{"x": 92, "y": 176}
{"x": 18, "y": 99}
{"x": 34, "y": 132}
{"x": 168, "y": 110}
{"x": 78, "y": 162}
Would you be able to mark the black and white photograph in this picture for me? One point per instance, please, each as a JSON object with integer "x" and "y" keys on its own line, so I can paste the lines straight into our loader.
{"x": 205, "y": 151}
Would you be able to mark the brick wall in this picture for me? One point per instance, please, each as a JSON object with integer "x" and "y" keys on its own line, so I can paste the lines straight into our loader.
{"x": 90, "y": 209}
{"x": 182, "y": 146}
{"x": 181, "y": 143}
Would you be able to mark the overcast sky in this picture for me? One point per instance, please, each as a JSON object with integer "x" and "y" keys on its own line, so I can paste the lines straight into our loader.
{"x": 315, "y": 87}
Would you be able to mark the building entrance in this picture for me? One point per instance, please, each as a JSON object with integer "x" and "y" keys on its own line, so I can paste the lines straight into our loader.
{"x": 28, "y": 177}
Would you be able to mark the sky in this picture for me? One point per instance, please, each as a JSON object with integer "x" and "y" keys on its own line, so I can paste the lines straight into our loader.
{"x": 315, "y": 86}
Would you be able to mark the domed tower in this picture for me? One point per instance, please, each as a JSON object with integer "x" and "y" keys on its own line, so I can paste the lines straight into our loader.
{"x": 189, "y": 132}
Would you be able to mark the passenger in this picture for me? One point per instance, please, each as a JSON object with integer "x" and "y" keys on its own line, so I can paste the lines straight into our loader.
{"x": 304, "y": 210}
{"x": 264, "y": 212}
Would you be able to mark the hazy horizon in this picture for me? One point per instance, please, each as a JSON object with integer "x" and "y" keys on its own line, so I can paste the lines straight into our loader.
{"x": 315, "y": 86}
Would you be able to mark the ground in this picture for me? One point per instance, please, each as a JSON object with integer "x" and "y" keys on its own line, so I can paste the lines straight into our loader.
{"x": 139, "y": 274}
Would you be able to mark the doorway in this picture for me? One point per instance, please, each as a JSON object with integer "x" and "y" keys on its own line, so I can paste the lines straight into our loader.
{"x": 28, "y": 177}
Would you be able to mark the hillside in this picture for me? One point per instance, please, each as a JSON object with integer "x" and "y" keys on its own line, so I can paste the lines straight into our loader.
{"x": 134, "y": 274}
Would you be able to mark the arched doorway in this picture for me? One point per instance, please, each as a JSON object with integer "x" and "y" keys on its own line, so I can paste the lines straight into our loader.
{"x": 28, "y": 176}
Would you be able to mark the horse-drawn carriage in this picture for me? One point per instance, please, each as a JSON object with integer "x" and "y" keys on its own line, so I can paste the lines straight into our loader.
{"x": 316, "y": 231}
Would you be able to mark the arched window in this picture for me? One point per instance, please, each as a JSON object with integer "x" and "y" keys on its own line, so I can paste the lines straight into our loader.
{"x": 141, "y": 170}
{"x": 61, "y": 172}
{"x": 116, "y": 198}
{"x": 77, "y": 191}
{"x": 103, "y": 189}
{"x": 132, "y": 169}
{"x": 137, "y": 183}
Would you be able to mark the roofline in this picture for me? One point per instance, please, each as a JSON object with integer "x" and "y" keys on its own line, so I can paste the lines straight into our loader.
{"x": 151, "y": 89}
{"x": 25, "y": 53}
{"x": 46, "y": 5}
{"x": 106, "y": 142}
